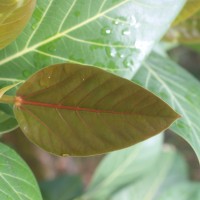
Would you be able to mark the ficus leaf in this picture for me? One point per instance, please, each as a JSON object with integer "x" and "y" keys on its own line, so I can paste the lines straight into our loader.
{"x": 69, "y": 109}
{"x": 190, "y": 8}
{"x": 14, "y": 15}
{"x": 187, "y": 31}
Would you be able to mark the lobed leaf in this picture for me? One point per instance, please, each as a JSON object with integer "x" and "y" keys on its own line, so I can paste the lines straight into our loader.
{"x": 16, "y": 179}
{"x": 80, "y": 110}
{"x": 14, "y": 14}
{"x": 178, "y": 88}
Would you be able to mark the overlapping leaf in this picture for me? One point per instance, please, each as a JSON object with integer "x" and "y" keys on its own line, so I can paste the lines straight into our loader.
{"x": 16, "y": 180}
{"x": 127, "y": 166}
{"x": 168, "y": 172}
{"x": 181, "y": 90}
{"x": 111, "y": 34}
{"x": 14, "y": 15}
{"x": 81, "y": 110}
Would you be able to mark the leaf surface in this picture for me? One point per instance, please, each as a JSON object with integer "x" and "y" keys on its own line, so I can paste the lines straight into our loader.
{"x": 105, "y": 33}
{"x": 169, "y": 171}
{"x": 81, "y": 110}
{"x": 16, "y": 179}
{"x": 64, "y": 187}
{"x": 14, "y": 14}
{"x": 127, "y": 166}
{"x": 168, "y": 80}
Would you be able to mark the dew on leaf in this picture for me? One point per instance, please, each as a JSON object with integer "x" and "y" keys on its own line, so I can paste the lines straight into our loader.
{"x": 126, "y": 32}
{"x": 26, "y": 73}
{"x": 106, "y": 31}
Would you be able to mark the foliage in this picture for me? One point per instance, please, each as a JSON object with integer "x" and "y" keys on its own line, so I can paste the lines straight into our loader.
{"x": 65, "y": 104}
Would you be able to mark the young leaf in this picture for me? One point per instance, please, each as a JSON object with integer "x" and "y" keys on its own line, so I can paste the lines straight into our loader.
{"x": 80, "y": 110}
{"x": 14, "y": 15}
{"x": 16, "y": 179}
{"x": 168, "y": 80}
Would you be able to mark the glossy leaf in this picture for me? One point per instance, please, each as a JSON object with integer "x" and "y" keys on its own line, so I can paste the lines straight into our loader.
{"x": 180, "y": 89}
{"x": 120, "y": 168}
{"x": 14, "y": 14}
{"x": 16, "y": 179}
{"x": 190, "y": 8}
{"x": 110, "y": 34}
{"x": 187, "y": 31}
{"x": 169, "y": 171}
{"x": 81, "y": 110}
{"x": 62, "y": 188}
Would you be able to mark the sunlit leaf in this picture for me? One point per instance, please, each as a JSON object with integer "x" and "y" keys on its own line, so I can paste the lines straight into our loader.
{"x": 81, "y": 110}
{"x": 121, "y": 168}
{"x": 110, "y": 34}
{"x": 180, "y": 89}
{"x": 14, "y": 15}
{"x": 169, "y": 171}
{"x": 16, "y": 179}
{"x": 187, "y": 31}
{"x": 190, "y": 8}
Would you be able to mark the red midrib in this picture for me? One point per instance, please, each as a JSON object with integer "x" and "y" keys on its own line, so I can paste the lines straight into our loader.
{"x": 57, "y": 106}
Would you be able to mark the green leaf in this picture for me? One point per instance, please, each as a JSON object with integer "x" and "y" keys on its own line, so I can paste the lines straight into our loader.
{"x": 16, "y": 179}
{"x": 14, "y": 14}
{"x": 187, "y": 31}
{"x": 168, "y": 171}
{"x": 123, "y": 167}
{"x": 62, "y": 188}
{"x": 106, "y": 33}
{"x": 7, "y": 123}
{"x": 190, "y": 8}
{"x": 184, "y": 191}
{"x": 80, "y": 110}
{"x": 178, "y": 88}
{"x": 7, "y": 88}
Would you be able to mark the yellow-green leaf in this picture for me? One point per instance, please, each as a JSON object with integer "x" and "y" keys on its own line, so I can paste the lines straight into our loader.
{"x": 14, "y": 15}
{"x": 190, "y": 8}
{"x": 70, "y": 109}
{"x": 187, "y": 31}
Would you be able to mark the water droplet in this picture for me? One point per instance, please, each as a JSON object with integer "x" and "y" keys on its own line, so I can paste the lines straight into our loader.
{"x": 49, "y": 77}
{"x": 106, "y": 31}
{"x": 126, "y": 32}
{"x": 116, "y": 22}
{"x": 128, "y": 62}
{"x": 122, "y": 55}
{"x": 34, "y": 26}
{"x": 132, "y": 20}
{"x": 113, "y": 52}
{"x": 26, "y": 73}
